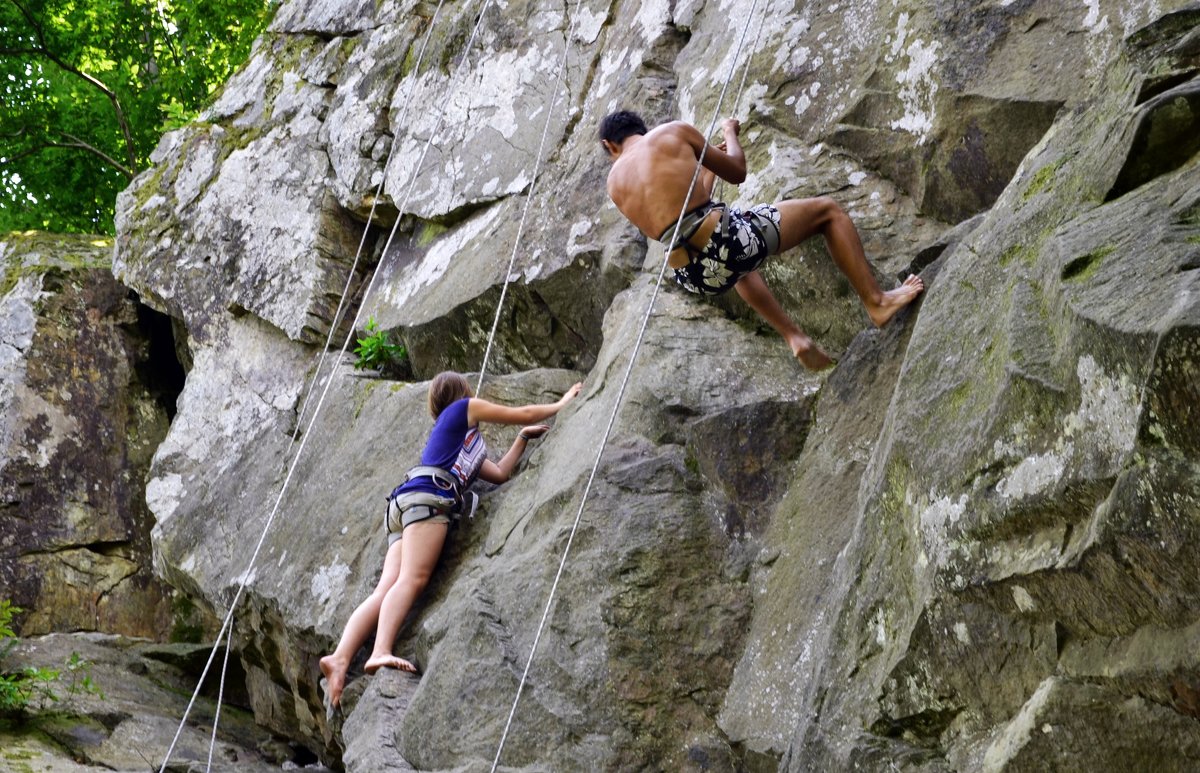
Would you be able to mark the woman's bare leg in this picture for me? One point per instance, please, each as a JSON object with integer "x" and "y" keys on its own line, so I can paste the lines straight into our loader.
{"x": 758, "y": 296}
{"x": 422, "y": 545}
{"x": 801, "y": 219}
{"x": 362, "y": 621}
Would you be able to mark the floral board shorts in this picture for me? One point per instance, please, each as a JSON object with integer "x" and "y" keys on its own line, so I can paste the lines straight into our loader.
{"x": 732, "y": 252}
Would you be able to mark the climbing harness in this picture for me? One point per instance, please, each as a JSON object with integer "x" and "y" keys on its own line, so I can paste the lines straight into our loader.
{"x": 620, "y": 395}
{"x": 406, "y": 507}
{"x": 693, "y": 231}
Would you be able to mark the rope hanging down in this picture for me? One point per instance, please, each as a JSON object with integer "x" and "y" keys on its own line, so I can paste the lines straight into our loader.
{"x": 537, "y": 163}
{"x": 225, "y": 626}
{"x": 337, "y": 314}
{"x": 621, "y": 392}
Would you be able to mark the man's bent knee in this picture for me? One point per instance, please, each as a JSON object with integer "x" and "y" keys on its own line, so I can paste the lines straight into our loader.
{"x": 828, "y": 210}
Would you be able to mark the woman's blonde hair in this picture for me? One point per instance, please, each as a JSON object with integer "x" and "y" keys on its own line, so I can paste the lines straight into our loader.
{"x": 446, "y": 388}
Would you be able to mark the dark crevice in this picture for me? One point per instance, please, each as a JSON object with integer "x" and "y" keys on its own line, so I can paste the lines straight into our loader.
{"x": 1080, "y": 267}
{"x": 110, "y": 548}
{"x": 923, "y": 728}
{"x": 1061, "y": 637}
{"x": 117, "y": 548}
{"x": 1152, "y": 87}
{"x": 160, "y": 371}
{"x": 1164, "y": 140}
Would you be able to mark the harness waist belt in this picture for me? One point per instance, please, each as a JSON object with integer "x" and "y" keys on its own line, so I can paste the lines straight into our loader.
{"x": 443, "y": 479}
{"x": 688, "y": 225}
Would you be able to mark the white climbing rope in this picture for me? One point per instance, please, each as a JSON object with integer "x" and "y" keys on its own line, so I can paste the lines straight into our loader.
{"x": 720, "y": 189}
{"x": 225, "y": 626}
{"x": 620, "y": 393}
{"x": 212, "y": 744}
{"x": 400, "y": 123}
{"x": 537, "y": 162}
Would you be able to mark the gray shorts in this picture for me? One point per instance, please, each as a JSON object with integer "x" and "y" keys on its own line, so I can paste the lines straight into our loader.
{"x": 413, "y": 508}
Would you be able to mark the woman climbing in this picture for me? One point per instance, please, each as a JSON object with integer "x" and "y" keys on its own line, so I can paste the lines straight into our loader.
{"x": 419, "y": 510}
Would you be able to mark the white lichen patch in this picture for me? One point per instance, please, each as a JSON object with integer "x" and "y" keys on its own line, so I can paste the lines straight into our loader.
{"x": 896, "y": 41}
{"x": 935, "y": 519}
{"x": 578, "y": 229}
{"x": 53, "y": 426}
{"x": 877, "y": 624}
{"x": 1105, "y": 424}
{"x": 587, "y": 25}
{"x": 918, "y": 88}
{"x": 653, "y": 17}
{"x": 1108, "y": 409}
{"x": 789, "y": 54}
{"x": 198, "y": 168}
{"x": 1017, "y": 733}
{"x": 616, "y": 63}
{"x": 433, "y": 265}
{"x": 1022, "y": 599}
{"x": 754, "y": 101}
{"x": 776, "y": 177}
{"x": 1033, "y": 475}
{"x": 940, "y": 512}
{"x": 329, "y": 581}
{"x": 961, "y": 633}
{"x": 163, "y": 495}
{"x": 1093, "y": 22}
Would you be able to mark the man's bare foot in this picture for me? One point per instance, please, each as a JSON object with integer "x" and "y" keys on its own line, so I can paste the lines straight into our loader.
{"x": 334, "y": 670}
{"x": 894, "y": 300}
{"x": 810, "y": 355}
{"x": 376, "y": 662}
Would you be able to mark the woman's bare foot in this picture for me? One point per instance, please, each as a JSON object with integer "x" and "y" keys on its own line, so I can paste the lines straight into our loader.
{"x": 894, "y": 300}
{"x": 376, "y": 662}
{"x": 810, "y": 355}
{"x": 334, "y": 670}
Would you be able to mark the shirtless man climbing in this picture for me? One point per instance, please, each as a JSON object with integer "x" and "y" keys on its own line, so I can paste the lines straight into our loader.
{"x": 719, "y": 247}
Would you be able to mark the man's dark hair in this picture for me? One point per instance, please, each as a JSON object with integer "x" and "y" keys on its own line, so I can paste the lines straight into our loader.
{"x": 617, "y": 127}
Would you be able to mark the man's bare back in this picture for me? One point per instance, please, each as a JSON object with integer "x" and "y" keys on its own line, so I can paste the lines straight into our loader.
{"x": 651, "y": 173}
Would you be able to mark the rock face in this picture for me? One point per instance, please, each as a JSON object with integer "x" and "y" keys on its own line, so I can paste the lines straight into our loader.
{"x": 967, "y": 547}
{"x": 82, "y": 410}
{"x": 125, "y": 716}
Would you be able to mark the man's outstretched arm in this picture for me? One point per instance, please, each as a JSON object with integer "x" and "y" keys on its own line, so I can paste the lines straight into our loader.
{"x": 728, "y": 164}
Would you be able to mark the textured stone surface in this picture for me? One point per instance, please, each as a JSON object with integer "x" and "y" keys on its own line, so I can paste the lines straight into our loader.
{"x": 964, "y": 548}
{"x": 80, "y": 417}
{"x": 1015, "y": 504}
{"x": 127, "y": 722}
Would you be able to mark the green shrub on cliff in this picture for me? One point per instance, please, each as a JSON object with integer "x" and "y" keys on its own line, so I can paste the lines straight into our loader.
{"x": 376, "y": 352}
{"x": 21, "y": 688}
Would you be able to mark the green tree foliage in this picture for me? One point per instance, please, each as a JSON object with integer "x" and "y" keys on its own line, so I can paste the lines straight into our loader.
{"x": 87, "y": 87}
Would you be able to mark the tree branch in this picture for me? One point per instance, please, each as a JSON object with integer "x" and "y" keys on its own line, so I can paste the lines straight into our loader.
{"x": 75, "y": 144}
{"x": 81, "y": 145}
{"x": 44, "y": 50}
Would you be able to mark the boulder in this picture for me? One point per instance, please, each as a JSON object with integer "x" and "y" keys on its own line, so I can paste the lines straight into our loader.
{"x": 118, "y": 705}
{"x": 86, "y": 393}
